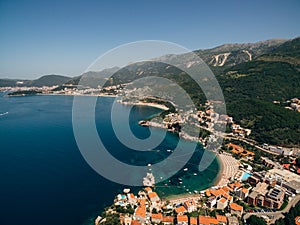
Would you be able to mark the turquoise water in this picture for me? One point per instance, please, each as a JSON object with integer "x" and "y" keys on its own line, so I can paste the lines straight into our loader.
{"x": 45, "y": 180}
{"x": 245, "y": 176}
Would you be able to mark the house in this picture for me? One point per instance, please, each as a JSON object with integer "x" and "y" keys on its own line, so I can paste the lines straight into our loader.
{"x": 182, "y": 220}
{"x": 180, "y": 210}
{"x": 153, "y": 197}
{"x": 211, "y": 202}
{"x": 131, "y": 199}
{"x": 193, "y": 221}
{"x": 135, "y": 222}
{"x": 235, "y": 186}
{"x": 190, "y": 205}
{"x": 168, "y": 220}
{"x": 140, "y": 214}
{"x": 230, "y": 199}
{"x": 222, "y": 203}
{"x": 242, "y": 193}
{"x": 156, "y": 218}
{"x": 207, "y": 220}
{"x": 236, "y": 209}
{"x": 127, "y": 220}
{"x": 148, "y": 190}
{"x": 221, "y": 219}
{"x": 297, "y": 220}
{"x": 232, "y": 220}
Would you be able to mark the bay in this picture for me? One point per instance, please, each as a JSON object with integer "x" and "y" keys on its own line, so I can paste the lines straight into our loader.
{"x": 44, "y": 178}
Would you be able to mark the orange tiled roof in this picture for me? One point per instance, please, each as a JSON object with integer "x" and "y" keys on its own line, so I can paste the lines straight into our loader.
{"x": 221, "y": 219}
{"x": 168, "y": 219}
{"x": 207, "y": 220}
{"x": 157, "y": 216}
{"x": 193, "y": 220}
{"x": 141, "y": 211}
{"x": 226, "y": 189}
{"x": 236, "y": 207}
{"x": 152, "y": 195}
{"x": 131, "y": 195}
{"x": 216, "y": 192}
{"x": 297, "y": 220}
{"x": 180, "y": 209}
{"x": 207, "y": 192}
{"x": 148, "y": 189}
{"x": 222, "y": 200}
{"x": 182, "y": 218}
{"x": 142, "y": 201}
{"x": 189, "y": 203}
{"x": 135, "y": 222}
{"x": 245, "y": 190}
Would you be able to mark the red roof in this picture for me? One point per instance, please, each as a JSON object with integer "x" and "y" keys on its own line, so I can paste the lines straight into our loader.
{"x": 180, "y": 209}
{"x": 168, "y": 219}
{"x": 286, "y": 166}
{"x": 222, "y": 219}
{"x": 236, "y": 207}
{"x": 193, "y": 221}
{"x": 182, "y": 218}
{"x": 207, "y": 220}
{"x": 157, "y": 216}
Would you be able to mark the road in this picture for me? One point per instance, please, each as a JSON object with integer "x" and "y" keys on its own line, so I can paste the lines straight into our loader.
{"x": 278, "y": 214}
{"x": 252, "y": 143}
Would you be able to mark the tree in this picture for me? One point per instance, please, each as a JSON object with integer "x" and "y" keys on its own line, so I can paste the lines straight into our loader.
{"x": 254, "y": 220}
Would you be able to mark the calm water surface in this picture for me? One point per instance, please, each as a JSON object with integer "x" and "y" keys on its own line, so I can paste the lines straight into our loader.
{"x": 45, "y": 180}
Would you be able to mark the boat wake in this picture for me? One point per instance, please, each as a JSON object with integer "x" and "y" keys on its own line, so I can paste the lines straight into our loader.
{"x": 3, "y": 114}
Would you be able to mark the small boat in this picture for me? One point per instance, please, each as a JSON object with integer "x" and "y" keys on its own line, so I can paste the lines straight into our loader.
{"x": 185, "y": 169}
{"x": 195, "y": 174}
{"x": 3, "y": 114}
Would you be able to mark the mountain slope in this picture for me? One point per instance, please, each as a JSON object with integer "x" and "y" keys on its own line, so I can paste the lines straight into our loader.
{"x": 46, "y": 80}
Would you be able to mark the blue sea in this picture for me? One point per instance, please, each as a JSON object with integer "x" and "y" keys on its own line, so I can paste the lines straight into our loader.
{"x": 44, "y": 178}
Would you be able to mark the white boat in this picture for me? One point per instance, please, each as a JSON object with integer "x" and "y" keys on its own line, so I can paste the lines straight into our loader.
{"x": 3, "y": 114}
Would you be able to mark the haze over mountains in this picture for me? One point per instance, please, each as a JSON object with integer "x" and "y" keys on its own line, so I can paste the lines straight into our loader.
{"x": 223, "y": 56}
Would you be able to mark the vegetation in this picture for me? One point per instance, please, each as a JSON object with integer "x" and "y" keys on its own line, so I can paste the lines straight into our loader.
{"x": 289, "y": 218}
{"x": 254, "y": 220}
{"x": 22, "y": 93}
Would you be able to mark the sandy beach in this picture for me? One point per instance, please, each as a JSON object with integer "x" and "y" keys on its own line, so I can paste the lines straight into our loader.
{"x": 229, "y": 167}
{"x": 163, "y": 107}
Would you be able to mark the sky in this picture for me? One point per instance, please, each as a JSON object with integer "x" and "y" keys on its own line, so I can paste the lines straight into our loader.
{"x": 66, "y": 36}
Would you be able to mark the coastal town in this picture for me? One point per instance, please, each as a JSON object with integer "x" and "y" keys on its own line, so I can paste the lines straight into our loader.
{"x": 241, "y": 192}
{"x": 258, "y": 180}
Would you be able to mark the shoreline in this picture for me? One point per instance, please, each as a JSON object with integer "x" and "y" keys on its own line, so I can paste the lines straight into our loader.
{"x": 155, "y": 105}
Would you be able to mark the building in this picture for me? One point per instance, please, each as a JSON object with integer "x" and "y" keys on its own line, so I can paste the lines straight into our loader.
{"x": 236, "y": 209}
{"x": 222, "y": 203}
{"x": 140, "y": 214}
{"x": 193, "y": 221}
{"x": 212, "y": 201}
{"x": 242, "y": 193}
{"x": 221, "y": 219}
{"x": 180, "y": 210}
{"x": 232, "y": 220}
{"x": 297, "y": 220}
{"x": 207, "y": 220}
{"x": 168, "y": 220}
{"x": 156, "y": 218}
{"x": 153, "y": 197}
{"x": 182, "y": 220}
{"x": 131, "y": 199}
{"x": 274, "y": 198}
{"x": 190, "y": 205}
{"x": 127, "y": 220}
{"x": 135, "y": 222}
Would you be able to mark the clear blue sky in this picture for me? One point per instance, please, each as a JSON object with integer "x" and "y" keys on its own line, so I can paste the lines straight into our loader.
{"x": 63, "y": 37}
